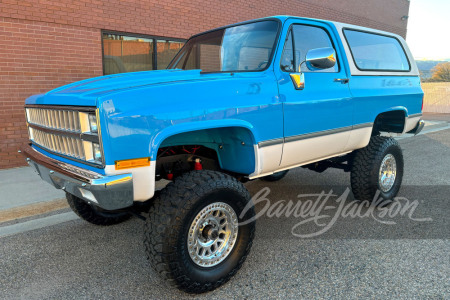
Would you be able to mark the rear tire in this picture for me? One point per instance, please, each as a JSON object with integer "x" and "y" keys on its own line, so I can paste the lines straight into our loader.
{"x": 94, "y": 216}
{"x": 275, "y": 176}
{"x": 178, "y": 234}
{"x": 377, "y": 167}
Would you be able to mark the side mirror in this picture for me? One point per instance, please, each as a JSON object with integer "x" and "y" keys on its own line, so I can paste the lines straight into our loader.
{"x": 320, "y": 58}
{"x": 316, "y": 59}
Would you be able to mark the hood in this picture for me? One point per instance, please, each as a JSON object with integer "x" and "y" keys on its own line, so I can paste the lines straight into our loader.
{"x": 86, "y": 92}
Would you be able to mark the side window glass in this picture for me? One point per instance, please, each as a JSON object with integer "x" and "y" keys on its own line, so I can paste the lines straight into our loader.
{"x": 287, "y": 57}
{"x": 373, "y": 51}
{"x": 310, "y": 37}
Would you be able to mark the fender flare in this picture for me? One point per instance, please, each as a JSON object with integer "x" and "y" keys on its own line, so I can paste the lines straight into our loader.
{"x": 394, "y": 108}
{"x": 194, "y": 126}
{"x": 391, "y": 109}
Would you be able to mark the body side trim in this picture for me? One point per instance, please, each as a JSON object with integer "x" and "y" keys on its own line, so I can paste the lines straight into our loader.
{"x": 268, "y": 143}
{"x": 362, "y": 125}
{"x": 316, "y": 134}
{"x": 415, "y": 115}
{"x": 294, "y": 138}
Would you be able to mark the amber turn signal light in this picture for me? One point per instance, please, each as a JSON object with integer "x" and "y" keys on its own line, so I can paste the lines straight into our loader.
{"x": 132, "y": 163}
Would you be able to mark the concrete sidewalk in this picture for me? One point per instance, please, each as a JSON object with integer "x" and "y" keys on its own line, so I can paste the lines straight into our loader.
{"x": 23, "y": 193}
{"x": 23, "y": 186}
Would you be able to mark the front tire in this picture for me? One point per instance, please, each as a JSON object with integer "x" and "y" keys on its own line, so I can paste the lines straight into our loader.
{"x": 193, "y": 238}
{"x": 93, "y": 215}
{"x": 377, "y": 167}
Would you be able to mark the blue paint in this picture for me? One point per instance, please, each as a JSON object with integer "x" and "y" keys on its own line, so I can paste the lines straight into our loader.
{"x": 323, "y": 104}
{"x": 139, "y": 111}
{"x": 373, "y": 95}
{"x": 144, "y": 116}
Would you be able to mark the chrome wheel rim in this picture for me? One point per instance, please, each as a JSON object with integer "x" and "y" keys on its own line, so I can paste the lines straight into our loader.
{"x": 388, "y": 173}
{"x": 212, "y": 234}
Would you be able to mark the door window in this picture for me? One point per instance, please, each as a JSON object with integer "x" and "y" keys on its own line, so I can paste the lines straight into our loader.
{"x": 300, "y": 40}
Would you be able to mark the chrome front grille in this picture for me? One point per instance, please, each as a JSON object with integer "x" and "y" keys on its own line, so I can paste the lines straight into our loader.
{"x": 55, "y": 119}
{"x": 62, "y": 144}
{"x": 70, "y": 131}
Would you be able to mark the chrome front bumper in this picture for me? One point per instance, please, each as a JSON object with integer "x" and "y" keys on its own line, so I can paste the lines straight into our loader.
{"x": 108, "y": 192}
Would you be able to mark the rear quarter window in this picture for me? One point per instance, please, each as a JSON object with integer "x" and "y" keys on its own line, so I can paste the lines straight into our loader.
{"x": 376, "y": 52}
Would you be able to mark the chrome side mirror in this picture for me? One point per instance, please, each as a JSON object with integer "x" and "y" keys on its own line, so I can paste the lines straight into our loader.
{"x": 316, "y": 59}
{"x": 320, "y": 58}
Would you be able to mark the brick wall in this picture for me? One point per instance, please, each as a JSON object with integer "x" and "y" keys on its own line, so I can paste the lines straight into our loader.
{"x": 34, "y": 58}
{"x": 48, "y": 43}
{"x": 183, "y": 18}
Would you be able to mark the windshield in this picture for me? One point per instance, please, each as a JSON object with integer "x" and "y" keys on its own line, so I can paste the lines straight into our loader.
{"x": 245, "y": 47}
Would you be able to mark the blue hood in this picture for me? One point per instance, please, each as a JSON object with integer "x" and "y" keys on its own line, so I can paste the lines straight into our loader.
{"x": 86, "y": 92}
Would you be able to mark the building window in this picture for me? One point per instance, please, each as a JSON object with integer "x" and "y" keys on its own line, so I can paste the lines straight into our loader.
{"x": 166, "y": 50}
{"x": 131, "y": 53}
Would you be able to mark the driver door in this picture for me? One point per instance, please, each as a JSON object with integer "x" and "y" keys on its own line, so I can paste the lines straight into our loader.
{"x": 317, "y": 118}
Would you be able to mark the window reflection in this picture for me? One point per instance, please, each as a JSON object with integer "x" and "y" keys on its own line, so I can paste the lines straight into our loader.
{"x": 122, "y": 53}
{"x": 166, "y": 50}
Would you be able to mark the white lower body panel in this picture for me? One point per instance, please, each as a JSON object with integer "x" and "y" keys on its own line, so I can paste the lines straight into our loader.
{"x": 143, "y": 180}
{"x": 313, "y": 149}
{"x": 359, "y": 138}
{"x": 309, "y": 150}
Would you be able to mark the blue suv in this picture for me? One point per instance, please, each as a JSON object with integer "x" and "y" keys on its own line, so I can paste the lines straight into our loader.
{"x": 245, "y": 101}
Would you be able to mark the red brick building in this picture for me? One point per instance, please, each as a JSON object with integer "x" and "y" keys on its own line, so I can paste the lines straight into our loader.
{"x": 48, "y": 43}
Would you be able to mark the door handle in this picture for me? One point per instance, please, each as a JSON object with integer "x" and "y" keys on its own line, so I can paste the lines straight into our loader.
{"x": 342, "y": 80}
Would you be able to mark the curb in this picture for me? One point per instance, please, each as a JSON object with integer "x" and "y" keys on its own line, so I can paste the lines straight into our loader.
{"x": 30, "y": 210}
{"x": 37, "y": 224}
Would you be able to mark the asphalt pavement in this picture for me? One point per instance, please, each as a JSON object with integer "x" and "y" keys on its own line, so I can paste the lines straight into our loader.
{"x": 355, "y": 258}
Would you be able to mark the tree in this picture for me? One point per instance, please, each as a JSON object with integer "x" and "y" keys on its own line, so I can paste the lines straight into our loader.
{"x": 441, "y": 72}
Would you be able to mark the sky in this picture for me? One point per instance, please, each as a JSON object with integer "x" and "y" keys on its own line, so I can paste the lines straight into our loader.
{"x": 428, "y": 35}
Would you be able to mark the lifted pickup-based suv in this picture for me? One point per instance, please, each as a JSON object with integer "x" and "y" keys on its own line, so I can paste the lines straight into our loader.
{"x": 245, "y": 101}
